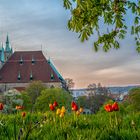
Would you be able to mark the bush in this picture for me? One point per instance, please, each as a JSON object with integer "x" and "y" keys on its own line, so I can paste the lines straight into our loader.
{"x": 50, "y": 95}
{"x": 133, "y": 101}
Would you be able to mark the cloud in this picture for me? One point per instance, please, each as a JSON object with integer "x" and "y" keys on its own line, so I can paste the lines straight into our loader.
{"x": 32, "y": 23}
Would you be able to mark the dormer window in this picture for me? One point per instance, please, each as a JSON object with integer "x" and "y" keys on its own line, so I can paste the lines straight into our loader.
{"x": 19, "y": 76}
{"x": 33, "y": 60}
{"x": 31, "y": 76}
{"x": 21, "y": 60}
{"x": 52, "y": 76}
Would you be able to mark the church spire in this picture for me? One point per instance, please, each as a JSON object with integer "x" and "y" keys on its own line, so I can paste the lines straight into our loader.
{"x": 7, "y": 48}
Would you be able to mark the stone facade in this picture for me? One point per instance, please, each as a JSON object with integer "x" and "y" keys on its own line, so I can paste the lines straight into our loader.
{"x": 8, "y": 86}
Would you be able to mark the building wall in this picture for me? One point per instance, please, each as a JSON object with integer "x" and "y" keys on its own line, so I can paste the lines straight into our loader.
{"x": 7, "y": 86}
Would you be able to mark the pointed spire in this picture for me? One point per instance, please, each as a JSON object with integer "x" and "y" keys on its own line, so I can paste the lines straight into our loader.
{"x": 7, "y": 48}
{"x": 11, "y": 50}
{"x": 7, "y": 39}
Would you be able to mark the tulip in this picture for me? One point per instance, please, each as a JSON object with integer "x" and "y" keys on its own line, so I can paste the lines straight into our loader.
{"x": 23, "y": 114}
{"x": 61, "y": 115}
{"x": 55, "y": 104}
{"x": 115, "y": 106}
{"x": 75, "y": 108}
{"x": 58, "y": 111}
{"x": 1, "y": 106}
{"x": 63, "y": 110}
{"x": 19, "y": 107}
{"x": 51, "y": 107}
{"x": 81, "y": 110}
{"x": 73, "y": 104}
{"x": 108, "y": 108}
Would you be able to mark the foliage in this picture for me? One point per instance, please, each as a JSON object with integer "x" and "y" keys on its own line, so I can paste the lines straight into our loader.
{"x": 11, "y": 98}
{"x": 34, "y": 90}
{"x": 48, "y": 96}
{"x": 133, "y": 100}
{"x": 27, "y": 104}
{"x": 84, "y": 127}
{"x": 93, "y": 102}
{"x": 87, "y": 17}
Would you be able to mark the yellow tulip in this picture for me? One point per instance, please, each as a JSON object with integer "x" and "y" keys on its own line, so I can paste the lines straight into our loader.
{"x": 63, "y": 110}
{"x": 58, "y": 111}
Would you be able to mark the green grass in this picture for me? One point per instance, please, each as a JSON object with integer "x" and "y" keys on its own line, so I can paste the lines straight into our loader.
{"x": 49, "y": 126}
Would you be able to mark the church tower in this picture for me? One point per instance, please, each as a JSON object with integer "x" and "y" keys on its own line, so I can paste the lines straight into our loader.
{"x": 8, "y": 49}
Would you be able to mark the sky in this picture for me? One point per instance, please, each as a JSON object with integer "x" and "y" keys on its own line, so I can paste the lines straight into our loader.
{"x": 42, "y": 24}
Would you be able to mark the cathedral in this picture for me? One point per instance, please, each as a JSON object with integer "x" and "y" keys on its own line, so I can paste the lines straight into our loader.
{"x": 5, "y": 52}
{"x": 19, "y": 68}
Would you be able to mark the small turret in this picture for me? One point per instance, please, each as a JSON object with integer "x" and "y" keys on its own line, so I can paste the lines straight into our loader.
{"x": 8, "y": 49}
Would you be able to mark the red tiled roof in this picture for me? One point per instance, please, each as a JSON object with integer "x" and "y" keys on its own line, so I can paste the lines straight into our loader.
{"x": 41, "y": 70}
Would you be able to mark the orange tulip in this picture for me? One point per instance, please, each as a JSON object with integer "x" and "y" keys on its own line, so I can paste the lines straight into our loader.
{"x": 23, "y": 114}
{"x": 51, "y": 107}
{"x": 108, "y": 108}
{"x": 1, "y": 106}
{"x": 81, "y": 110}
{"x": 115, "y": 106}
{"x": 19, "y": 107}
{"x": 61, "y": 115}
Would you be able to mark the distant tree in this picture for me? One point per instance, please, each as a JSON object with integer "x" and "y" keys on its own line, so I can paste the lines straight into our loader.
{"x": 133, "y": 100}
{"x": 34, "y": 91}
{"x": 48, "y": 96}
{"x": 91, "y": 89}
{"x": 93, "y": 102}
{"x": 69, "y": 83}
{"x": 107, "y": 19}
{"x": 83, "y": 102}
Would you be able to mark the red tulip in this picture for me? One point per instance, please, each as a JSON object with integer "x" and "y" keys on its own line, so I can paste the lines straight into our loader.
{"x": 108, "y": 108}
{"x": 75, "y": 108}
{"x": 1, "y": 106}
{"x": 115, "y": 106}
{"x": 23, "y": 114}
{"x": 51, "y": 107}
{"x": 55, "y": 104}
{"x": 73, "y": 104}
